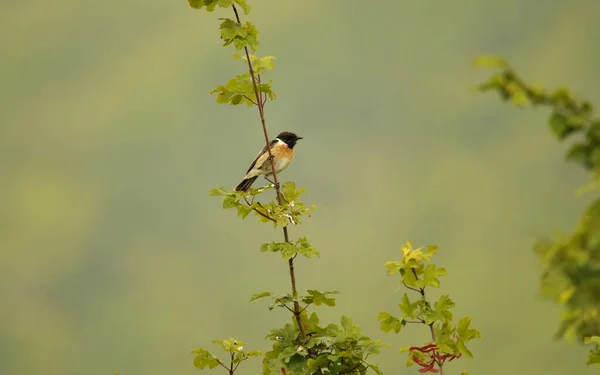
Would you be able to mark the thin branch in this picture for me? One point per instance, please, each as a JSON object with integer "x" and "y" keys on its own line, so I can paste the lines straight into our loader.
{"x": 253, "y": 102}
{"x": 222, "y": 364}
{"x": 237, "y": 364}
{"x": 422, "y": 292}
{"x": 353, "y": 368}
{"x": 258, "y": 212}
{"x": 411, "y": 288}
{"x": 261, "y": 111}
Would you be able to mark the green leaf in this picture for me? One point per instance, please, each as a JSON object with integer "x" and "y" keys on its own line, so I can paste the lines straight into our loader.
{"x": 463, "y": 349}
{"x": 430, "y": 274}
{"x": 520, "y": 98}
{"x": 290, "y": 193}
{"x": 304, "y": 248}
{"x": 407, "y": 308}
{"x": 204, "y": 358}
{"x": 241, "y": 36}
{"x": 221, "y": 191}
{"x": 388, "y": 322}
{"x": 489, "y": 62}
{"x": 592, "y": 340}
{"x": 199, "y": 4}
{"x": 580, "y": 153}
{"x": 443, "y": 306}
{"x": 375, "y": 369}
{"x": 289, "y": 250}
{"x": 230, "y": 345}
{"x": 320, "y": 298}
{"x": 244, "y": 6}
{"x": 347, "y": 324}
{"x": 260, "y": 295}
{"x": 392, "y": 267}
{"x": 560, "y": 126}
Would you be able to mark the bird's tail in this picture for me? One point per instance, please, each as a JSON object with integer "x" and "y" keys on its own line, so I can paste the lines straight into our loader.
{"x": 246, "y": 184}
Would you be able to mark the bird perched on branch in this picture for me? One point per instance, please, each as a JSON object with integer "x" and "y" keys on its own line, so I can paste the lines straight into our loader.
{"x": 282, "y": 149}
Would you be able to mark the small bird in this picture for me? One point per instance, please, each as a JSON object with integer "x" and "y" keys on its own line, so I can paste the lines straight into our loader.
{"x": 282, "y": 149}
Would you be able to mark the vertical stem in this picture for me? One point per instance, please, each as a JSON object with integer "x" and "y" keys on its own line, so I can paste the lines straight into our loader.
{"x": 261, "y": 110}
{"x": 422, "y": 292}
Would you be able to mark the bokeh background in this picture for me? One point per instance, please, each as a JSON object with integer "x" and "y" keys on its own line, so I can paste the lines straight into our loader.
{"x": 114, "y": 259}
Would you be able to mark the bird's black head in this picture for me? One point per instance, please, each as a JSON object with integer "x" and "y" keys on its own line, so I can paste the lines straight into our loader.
{"x": 289, "y": 138}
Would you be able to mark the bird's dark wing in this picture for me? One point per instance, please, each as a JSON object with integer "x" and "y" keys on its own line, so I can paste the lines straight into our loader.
{"x": 271, "y": 144}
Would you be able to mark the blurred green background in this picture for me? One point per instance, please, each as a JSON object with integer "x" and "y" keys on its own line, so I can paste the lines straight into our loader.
{"x": 114, "y": 259}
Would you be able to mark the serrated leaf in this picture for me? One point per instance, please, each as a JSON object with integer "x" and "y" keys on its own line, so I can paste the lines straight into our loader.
{"x": 321, "y": 298}
{"x": 392, "y": 267}
{"x": 230, "y": 202}
{"x": 463, "y": 326}
{"x": 429, "y": 276}
{"x": 388, "y": 322}
{"x": 463, "y": 349}
{"x": 407, "y": 308}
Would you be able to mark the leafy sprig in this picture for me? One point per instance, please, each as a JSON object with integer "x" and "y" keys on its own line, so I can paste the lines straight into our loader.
{"x": 236, "y": 354}
{"x": 448, "y": 339}
{"x": 570, "y": 263}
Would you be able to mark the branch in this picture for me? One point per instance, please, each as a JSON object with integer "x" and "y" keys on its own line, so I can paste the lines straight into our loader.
{"x": 261, "y": 111}
{"x": 422, "y": 292}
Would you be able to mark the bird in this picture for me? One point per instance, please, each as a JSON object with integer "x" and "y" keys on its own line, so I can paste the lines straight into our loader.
{"x": 282, "y": 148}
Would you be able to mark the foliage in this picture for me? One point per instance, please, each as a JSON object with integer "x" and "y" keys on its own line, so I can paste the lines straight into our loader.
{"x": 594, "y": 356}
{"x": 333, "y": 349}
{"x": 305, "y": 346}
{"x": 570, "y": 263}
{"x": 289, "y": 212}
{"x": 233, "y": 347}
{"x": 448, "y": 339}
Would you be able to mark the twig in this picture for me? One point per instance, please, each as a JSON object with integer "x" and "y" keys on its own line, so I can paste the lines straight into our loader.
{"x": 411, "y": 288}
{"x": 422, "y": 292}
{"x": 253, "y": 102}
{"x": 258, "y": 211}
{"x": 261, "y": 111}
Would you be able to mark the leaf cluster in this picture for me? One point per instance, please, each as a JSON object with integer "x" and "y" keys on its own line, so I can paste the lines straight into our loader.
{"x": 210, "y": 5}
{"x": 313, "y": 297}
{"x": 450, "y": 339}
{"x": 571, "y": 275}
{"x": 569, "y": 116}
{"x": 332, "y": 349}
{"x": 233, "y": 347}
{"x": 594, "y": 356}
{"x": 289, "y": 212}
{"x": 570, "y": 263}
{"x": 240, "y": 89}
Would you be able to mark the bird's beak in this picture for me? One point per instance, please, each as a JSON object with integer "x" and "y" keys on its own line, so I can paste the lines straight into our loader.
{"x": 299, "y": 138}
